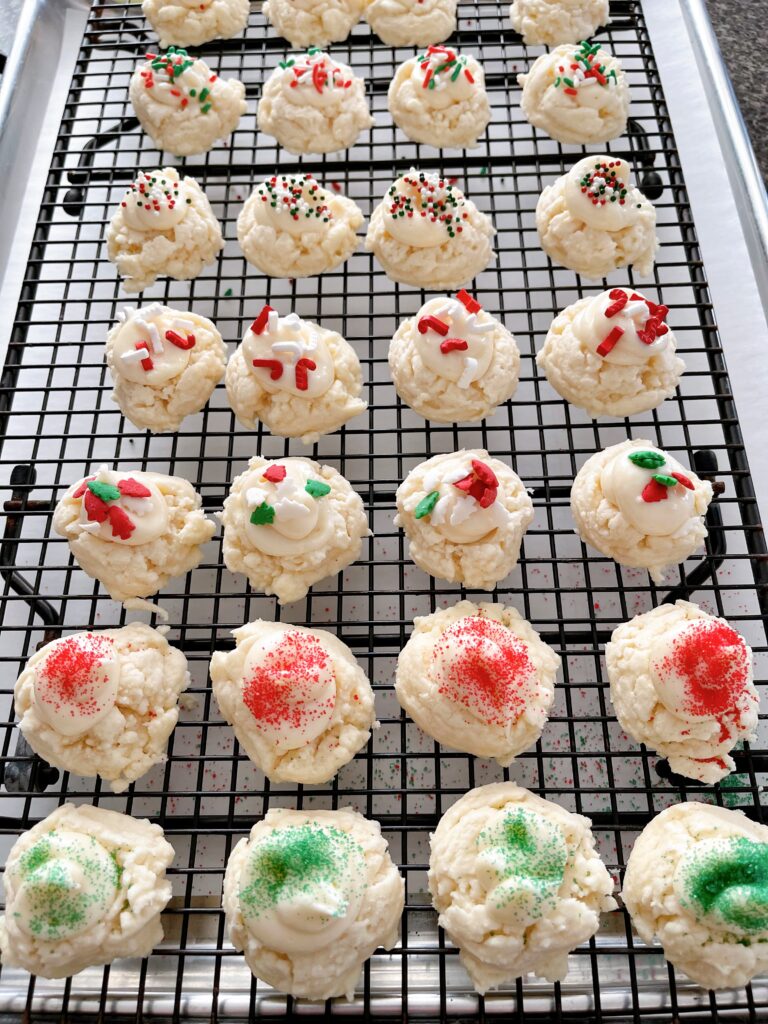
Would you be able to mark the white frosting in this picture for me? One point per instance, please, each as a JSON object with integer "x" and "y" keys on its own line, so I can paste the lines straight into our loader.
{"x": 194, "y": 87}
{"x": 600, "y": 211}
{"x": 76, "y": 684}
{"x": 289, "y": 686}
{"x": 149, "y": 515}
{"x": 439, "y": 89}
{"x": 65, "y": 885}
{"x": 462, "y": 366}
{"x": 143, "y": 340}
{"x": 457, "y": 516}
{"x": 156, "y": 201}
{"x": 300, "y": 351}
{"x": 293, "y": 906}
{"x": 623, "y": 482}
{"x": 414, "y": 205}
{"x": 298, "y": 205}
{"x": 301, "y": 523}
{"x": 315, "y": 79}
{"x": 592, "y": 327}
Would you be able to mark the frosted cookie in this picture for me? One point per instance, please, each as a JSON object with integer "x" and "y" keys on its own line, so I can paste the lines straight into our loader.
{"x": 641, "y": 507}
{"x": 193, "y": 22}
{"x": 82, "y": 888}
{"x": 464, "y": 514}
{"x": 133, "y": 531}
{"x": 551, "y": 22}
{"x": 477, "y": 678}
{"x": 102, "y": 703}
{"x": 593, "y": 220}
{"x": 290, "y": 523}
{"x": 697, "y": 882}
{"x": 313, "y": 22}
{"x": 300, "y": 705}
{"x": 165, "y": 364}
{"x": 426, "y": 233}
{"x": 309, "y": 897}
{"x": 298, "y": 378}
{"x": 163, "y": 227}
{"x": 612, "y": 354}
{"x": 293, "y": 227}
{"x": 517, "y": 883}
{"x": 313, "y": 104}
{"x": 439, "y": 98}
{"x": 412, "y": 22}
{"x": 182, "y": 105}
{"x": 576, "y": 94}
{"x": 453, "y": 361}
{"x": 681, "y": 683}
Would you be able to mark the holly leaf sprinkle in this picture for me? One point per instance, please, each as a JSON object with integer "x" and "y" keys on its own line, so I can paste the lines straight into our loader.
{"x": 647, "y": 460}
{"x": 107, "y": 492}
{"x": 263, "y": 515}
{"x": 316, "y": 488}
{"x": 426, "y": 505}
{"x": 666, "y": 481}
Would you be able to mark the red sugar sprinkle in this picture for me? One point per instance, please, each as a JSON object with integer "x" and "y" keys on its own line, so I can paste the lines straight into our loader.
{"x": 69, "y": 680}
{"x": 279, "y": 693}
{"x": 491, "y": 674}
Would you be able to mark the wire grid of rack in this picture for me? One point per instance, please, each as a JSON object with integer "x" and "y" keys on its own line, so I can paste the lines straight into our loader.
{"x": 58, "y": 424}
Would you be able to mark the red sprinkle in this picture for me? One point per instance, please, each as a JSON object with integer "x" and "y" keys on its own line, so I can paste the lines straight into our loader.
{"x": 179, "y": 342}
{"x": 303, "y": 366}
{"x": 453, "y": 345}
{"x": 82, "y": 488}
{"x": 274, "y": 366}
{"x": 69, "y": 679}
{"x": 282, "y": 692}
{"x": 432, "y": 323}
{"x": 146, "y": 364}
{"x": 470, "y": 304}
{"x": 121, "y": 523}
{"x": 684, "y": 480}
{"x": 481, "y": 484}
{"x": 131, "y": 488}
{"x": 654, "y": 491}
{"x": 95, "y": 509}
{"x": 260, "y": 322}
{"x": 274, "y": 474}
{"x": 610, "y": 341}
{"x": 620, "y": 299}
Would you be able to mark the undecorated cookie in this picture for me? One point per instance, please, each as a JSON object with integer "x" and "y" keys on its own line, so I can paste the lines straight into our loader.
{"x": 165, "y": 364}
{"x": 454, "y": 362}
{"x": 290, "y": 523}
{"x": 163, "y": 227}
{"x": 517, "y": 883}
{"x": 576, "y": 94}
{"x": 82, "y": 888}
{"x": 133, "y": 531}
{"x": 426, "y": 233}
{"x": 612, "y": 354}
{"x": 293, "y": 227}
{"x": 299, "y": 703}
{"x": 309, "y": 896}
{"x": 593, "y": 220}
{"x": 439, "y": 98}
{"x": 551, "y": 22}
{"x": 193, "y": 22}
{"x": 182, "y": 105}
{"x": 681, "y": 683}
{"x": 697, "y": 882}
{"x": 477, "y": 678}
{"x": 412, "y": 22}
{"x": 641, "y": 507}
{"x": 312, "y": 103}
{"x": 102, "y": 703}
{"x": 314, "y": 22}
{"x": 464, "y": 514}
{"x": 298, "y": 378}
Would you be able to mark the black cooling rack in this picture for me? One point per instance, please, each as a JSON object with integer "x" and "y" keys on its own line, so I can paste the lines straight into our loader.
{"x": 58, "y": 423}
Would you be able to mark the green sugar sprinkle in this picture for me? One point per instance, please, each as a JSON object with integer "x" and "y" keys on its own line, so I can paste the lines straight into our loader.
{"x": 528, "y": 854}
{"x": 263, "y": 515}
{"x": 107, "y": 492}
{"x": 317, "y": 488}
{"x": 647, "y": 460}
{"x": 728, "y": 879}
{"x": 300, "y": 861}
{"x": 426, "y": 505}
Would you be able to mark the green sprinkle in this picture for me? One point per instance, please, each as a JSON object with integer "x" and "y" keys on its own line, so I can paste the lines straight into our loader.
{"x": 728, "y": 879}
{"x": 483, "y": 171}
{"x": 107, "y": 492}
{"x": 647, "y": 460}
{"x": 426, "y": 505}
{"x": 204, "y": 93}
{"x": 263, "y": 515}
{"x": 317, "y": 488}
{"x": 206, "y": 108}
{"x": 228, "y": 293}
{"x": 665, "y": 481}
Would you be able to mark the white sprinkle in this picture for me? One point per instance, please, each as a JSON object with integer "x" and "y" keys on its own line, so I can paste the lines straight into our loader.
{"x": 272, "y": 321}
{"x": 183, "y": 325}
{"x": 154, "y": 336}
{"x": 90, "y": 527}
{"x": 470, "y": 369}
{"x": 292, "y": 320}
{"x": 437, "y": 476}
{"x": 125, "y": 313}
{"x": 633, "y": 308}
{"x": 483, "y": 328}
{"x": 463, "y": 508}
{"x": 135, "y": 356}
{"x": 292, "y": 511}
{"x": 254, "y": 496}
{"x": 291, "y": 348}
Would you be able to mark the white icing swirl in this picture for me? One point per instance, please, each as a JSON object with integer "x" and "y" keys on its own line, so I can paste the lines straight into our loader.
{"x": 316, "y": 80}
{"x": 296, "y": 205}
{"x": 455, "y": 83}
{"x": 142, "y": 341}
{"x": 462, "y": 366}
{"x": 622, "y": 483}
{"x": 76, "y": 683}
{"x": 306, "y": 368}
{"x": 591, "y": 326}
{"x": 147, "y": 515}
{"x": 611, "y": 209}
{"x": 155, "y": 201}
{"x": 424, "y": 210}
{"x": 177, "y": 80}
{"x": 456, "y": 515}
{"x": 301, "y": 523}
